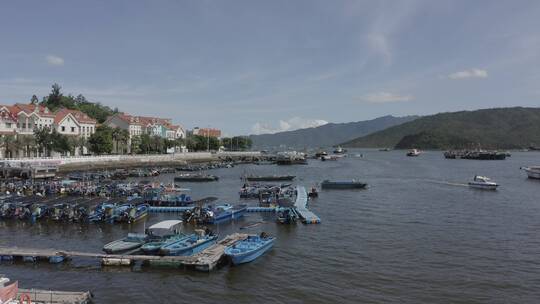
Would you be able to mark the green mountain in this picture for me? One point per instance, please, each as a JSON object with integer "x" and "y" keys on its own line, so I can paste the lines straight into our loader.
{"x": 326, "y": 135}
{"x": 500, "y": 128}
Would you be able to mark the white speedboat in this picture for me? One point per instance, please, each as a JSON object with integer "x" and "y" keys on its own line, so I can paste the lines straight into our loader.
{"x": 532, "y": 172}
{"x": 413, "y": 152}
{"x": 482, "y": 182}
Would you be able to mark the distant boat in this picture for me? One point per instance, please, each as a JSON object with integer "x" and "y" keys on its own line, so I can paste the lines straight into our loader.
{"x": 189, "y": 246}
{"x": 131, "y": 242}
{"x": 195, "y": 178}
{"x": 249, "y": 249}
{"x": 326, "y": 184}
{"x": 384, "y": 149}
{"x": 270, "y": 178}
{"x": 482, "y": 182}
{"x": 532, "y": 172}
{"x": 339, "y": 150}
{"x": 413, "y": 152}
{"x": 319, "y": 154}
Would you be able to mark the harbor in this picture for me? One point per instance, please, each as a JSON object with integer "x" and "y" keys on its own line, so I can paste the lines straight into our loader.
{"x": 75, "y": 246}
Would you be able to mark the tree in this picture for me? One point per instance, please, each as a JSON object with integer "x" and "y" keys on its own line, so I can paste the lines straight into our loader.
{"x": 7, "y": 143}
{"x": 34, "y": 100}
{"x": 60, "y": 142}
{"x": 101, "y": 141}
{"x": 135, "y": 145}
{"x": 44, "y": 140}
{"x": 146, "y": 143}
{"x": 27, "y": 143}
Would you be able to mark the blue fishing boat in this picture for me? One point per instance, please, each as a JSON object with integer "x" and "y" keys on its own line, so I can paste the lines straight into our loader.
{"x": 249, "y": 249}
{"x": 189, "y": 246}
{"x": 224, "y": 212}
{"x": 136, "y": 213}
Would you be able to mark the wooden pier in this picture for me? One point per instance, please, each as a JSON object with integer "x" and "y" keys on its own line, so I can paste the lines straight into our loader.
{"x": 205, "y": 260}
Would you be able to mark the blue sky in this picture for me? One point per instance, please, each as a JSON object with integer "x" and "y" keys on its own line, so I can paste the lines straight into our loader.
{"x": 263, "y": 66}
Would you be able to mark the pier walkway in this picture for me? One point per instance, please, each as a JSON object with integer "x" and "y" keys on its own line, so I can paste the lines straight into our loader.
{"x": 205, "y": 260}
{"x": 300, "y": 204}
{"x": 180, "y": 209}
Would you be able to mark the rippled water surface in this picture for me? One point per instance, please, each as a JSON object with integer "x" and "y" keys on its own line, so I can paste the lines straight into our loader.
{"x": 417, "y": 235}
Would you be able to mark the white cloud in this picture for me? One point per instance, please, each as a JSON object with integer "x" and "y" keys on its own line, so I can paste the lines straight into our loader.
{"x": 385, "y": 97}
{"x": 472, "y": 73}
{"x": 294, "y": 123}
{"x": 378, "y": 43}
{"x": 54, "y": 60}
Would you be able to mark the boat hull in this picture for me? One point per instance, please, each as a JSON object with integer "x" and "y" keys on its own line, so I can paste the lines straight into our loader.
{"x": 532, "y": 173}
{"x": 187, "y": 251}
{"x": 249, "y": 256}
{"x": 343, "y": 185}
{"x": 483, "y": 186}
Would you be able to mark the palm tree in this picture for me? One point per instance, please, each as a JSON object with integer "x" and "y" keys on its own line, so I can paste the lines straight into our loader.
{"x": 27, "y": 143}
{"x": 7, "y": 143}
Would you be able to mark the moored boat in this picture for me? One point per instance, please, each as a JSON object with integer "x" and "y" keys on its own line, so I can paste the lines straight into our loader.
{"x": 161, "y": 234}
{"x": 131, "y": 242}
{"x": 413, "y": 152}
{"x": 196, "y": 178}
{"x": 249, "y": 249}
{"x": 188, "y": 246}
{"x": 532, "y": 172}
{"x": 482, "y": 182}
{"x": 353, "y": 184}
{"x": 270, "y": 178}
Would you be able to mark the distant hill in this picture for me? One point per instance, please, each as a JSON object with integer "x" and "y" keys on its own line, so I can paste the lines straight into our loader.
{"x": 326, "y": 135}
{"x": 501, "y": 128}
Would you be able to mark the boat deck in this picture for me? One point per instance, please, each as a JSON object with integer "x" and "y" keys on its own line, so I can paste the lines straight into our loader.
{"x": 300, "y": 204}
{"x": 205, "y": 260}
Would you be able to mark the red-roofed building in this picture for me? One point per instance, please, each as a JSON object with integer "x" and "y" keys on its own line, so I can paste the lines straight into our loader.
{"x": 74, "y": 122}
{"x": 210, "y": 132}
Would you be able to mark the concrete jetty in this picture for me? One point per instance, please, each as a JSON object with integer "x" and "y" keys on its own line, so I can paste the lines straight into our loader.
{"x": 55, "y": 297}
{"x": 300, "y": 205}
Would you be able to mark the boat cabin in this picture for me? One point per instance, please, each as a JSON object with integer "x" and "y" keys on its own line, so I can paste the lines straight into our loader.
{"x": 169, "y": 227}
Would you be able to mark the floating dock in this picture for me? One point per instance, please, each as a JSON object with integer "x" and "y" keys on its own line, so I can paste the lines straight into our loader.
{"x": 205, "y": 260}
{"x": 180, "y": 209}
{"x": 300, "y": 205}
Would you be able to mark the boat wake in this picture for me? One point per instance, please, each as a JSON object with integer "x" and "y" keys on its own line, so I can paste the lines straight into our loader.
{"x": 446, "y": 183}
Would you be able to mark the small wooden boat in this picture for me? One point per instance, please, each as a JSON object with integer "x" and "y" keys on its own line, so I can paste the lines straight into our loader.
{"x": 249, "y": 249}
{"x": 532, "y": 172}
{"x": 131, "y": 242}
{"x": 191, "y": 245}
{"x": 413, "y": 152}
{"x": 269, "y": 178}
{"x": 326, "y": 184}
{"x": 196, "y": 178}
{"x": 482, "y": 182}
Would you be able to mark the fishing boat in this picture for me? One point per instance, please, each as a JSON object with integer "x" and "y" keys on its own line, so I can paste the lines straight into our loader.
{"x": 249, "y": 249}
{"x": 532, "y": 172}
{"x": 196, "y": 178}
{"x": 287, "y": 216}
{"x": 193, "y": 244}
{"x": 354, "y": 184}
{"x": 482, "y": 182}
{"x": 224, "y": 212}
{"x": 137, "y": 212}
{"x": 269, "y": 178}
{"x": 132, "y": 242}
{"x": 413, "y": 152}
{"x": 384, "y": 149}
{"x": 161, "y": 234}
{"x": 320, "y": 153}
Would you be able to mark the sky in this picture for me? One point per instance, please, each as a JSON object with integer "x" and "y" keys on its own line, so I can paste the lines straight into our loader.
{"x": 250, "y": 67}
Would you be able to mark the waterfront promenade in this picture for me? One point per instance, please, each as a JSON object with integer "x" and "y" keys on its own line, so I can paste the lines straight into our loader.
{"x": 67, "y": 163}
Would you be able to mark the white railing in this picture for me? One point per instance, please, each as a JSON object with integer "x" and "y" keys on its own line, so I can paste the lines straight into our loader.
{"x": 62, "y": 160}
